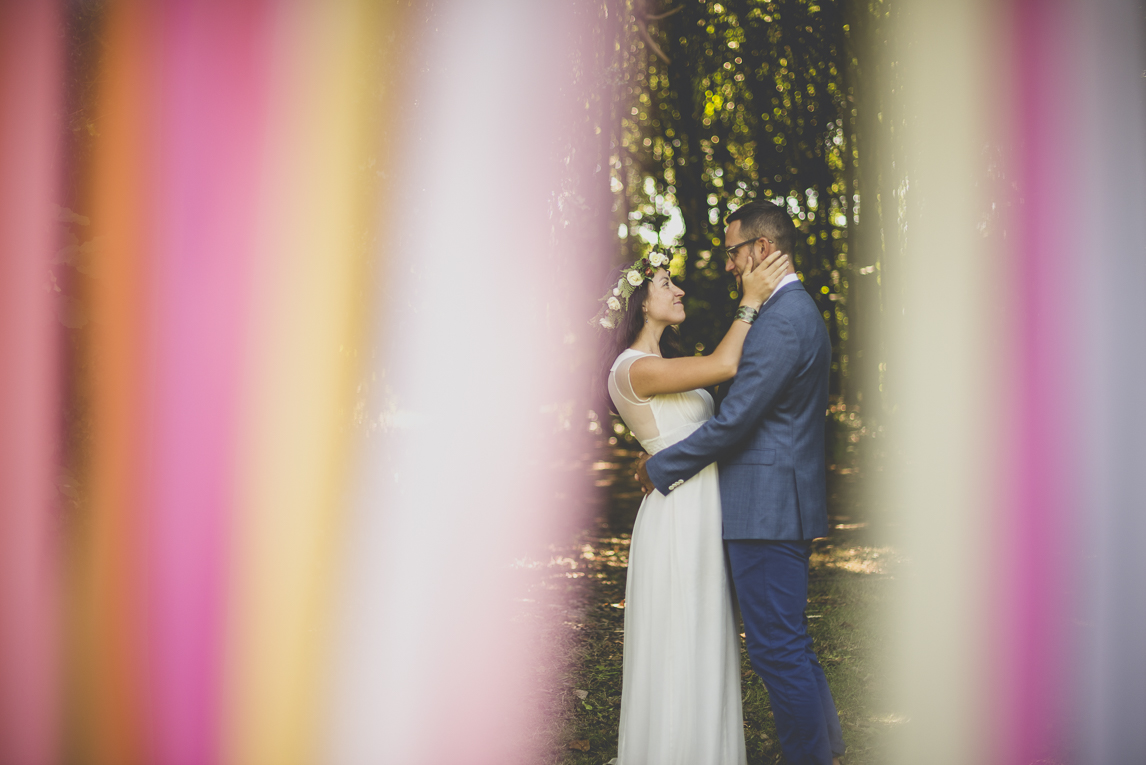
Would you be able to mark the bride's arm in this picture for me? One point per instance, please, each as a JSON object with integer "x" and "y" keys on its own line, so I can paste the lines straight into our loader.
{"x": 651, "y": 375}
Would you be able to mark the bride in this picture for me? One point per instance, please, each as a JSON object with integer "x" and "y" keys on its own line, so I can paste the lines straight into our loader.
{"x": 680, "y": 700}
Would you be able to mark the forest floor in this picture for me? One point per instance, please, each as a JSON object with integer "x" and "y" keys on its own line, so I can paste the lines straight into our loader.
{"x": 852, "y": 577}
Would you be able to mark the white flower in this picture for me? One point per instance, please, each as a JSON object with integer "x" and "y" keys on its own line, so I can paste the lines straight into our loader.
{"x": 614, "y": 304}
{"x": 658, "y": 259}
{"x": 617, "y": 291}
{"x": 635, "y": 278}
{"x": 606, "y": 322}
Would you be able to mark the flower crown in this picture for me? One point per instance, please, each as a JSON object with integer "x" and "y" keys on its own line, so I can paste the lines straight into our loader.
{"x": 616, "y": 301}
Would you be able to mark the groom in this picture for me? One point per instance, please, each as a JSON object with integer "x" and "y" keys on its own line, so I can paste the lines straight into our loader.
{"x": 769, "y": 440}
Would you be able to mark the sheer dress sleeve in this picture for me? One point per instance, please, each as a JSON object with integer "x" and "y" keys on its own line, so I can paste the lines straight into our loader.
{"x": 637, "y": 412}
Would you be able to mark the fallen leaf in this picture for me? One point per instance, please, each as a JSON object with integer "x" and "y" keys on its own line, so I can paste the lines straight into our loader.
{"x": 580, "y": 745}
{"x": 580, "y": 693}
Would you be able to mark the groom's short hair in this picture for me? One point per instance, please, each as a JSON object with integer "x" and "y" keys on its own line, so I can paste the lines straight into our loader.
{"x": 768, "y": 220}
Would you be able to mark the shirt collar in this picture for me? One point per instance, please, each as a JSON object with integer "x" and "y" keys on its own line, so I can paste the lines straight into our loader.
{"x": 783, "y": 283}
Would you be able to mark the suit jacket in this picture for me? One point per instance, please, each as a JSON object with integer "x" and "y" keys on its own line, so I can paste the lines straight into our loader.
{"x": 768, "y": 436}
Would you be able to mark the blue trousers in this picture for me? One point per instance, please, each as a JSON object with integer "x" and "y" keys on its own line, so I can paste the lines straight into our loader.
{"x": 771, "y": 582}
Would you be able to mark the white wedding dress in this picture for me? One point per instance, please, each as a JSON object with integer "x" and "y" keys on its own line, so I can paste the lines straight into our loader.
{"x": 680, "y": 701}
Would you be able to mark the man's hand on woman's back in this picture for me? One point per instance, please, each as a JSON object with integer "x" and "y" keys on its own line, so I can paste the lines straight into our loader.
{"x": 642, "y": 475}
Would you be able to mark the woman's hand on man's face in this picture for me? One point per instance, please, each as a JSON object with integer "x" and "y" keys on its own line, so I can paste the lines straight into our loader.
{"x": 760, "y": 282}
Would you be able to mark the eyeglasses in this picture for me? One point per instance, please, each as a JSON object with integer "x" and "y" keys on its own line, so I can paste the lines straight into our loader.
{"x": 731, "y": 251}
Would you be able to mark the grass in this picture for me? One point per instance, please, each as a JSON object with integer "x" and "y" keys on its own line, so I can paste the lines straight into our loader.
{"x": 851, "y": 580}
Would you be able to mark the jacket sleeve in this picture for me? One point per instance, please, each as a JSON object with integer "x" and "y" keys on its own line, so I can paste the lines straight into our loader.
{"x": 767, "y": 366}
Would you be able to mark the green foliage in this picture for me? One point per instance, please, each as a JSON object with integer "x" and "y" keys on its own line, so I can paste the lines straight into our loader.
{"x": 726, "y": 103}
{"x": 715, "y": 104}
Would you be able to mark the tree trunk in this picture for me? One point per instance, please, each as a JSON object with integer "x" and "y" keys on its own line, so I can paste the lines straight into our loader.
{"x": 865, "y": 248}
{"x": 691, "y": 193}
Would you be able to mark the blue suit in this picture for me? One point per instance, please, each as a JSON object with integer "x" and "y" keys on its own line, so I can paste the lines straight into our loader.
{"x": 768, "y": 439}
{"x": 768, "y": 436}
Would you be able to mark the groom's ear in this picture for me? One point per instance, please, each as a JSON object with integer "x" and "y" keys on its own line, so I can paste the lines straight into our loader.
{"x": 759, "y": 251}
{"x": 767, "y": 248}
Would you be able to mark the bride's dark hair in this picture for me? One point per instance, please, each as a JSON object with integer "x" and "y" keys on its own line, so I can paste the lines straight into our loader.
{"x": 629, "y": 325}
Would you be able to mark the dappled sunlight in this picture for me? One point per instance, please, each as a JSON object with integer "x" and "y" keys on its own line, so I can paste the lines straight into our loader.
{"x": 891, "y": 719}
{"x": 857, "y": 560}
{"x": 614, "y": 553}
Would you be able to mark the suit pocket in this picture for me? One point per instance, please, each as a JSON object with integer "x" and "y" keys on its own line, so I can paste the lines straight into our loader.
{"x": 754, "y": 457}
